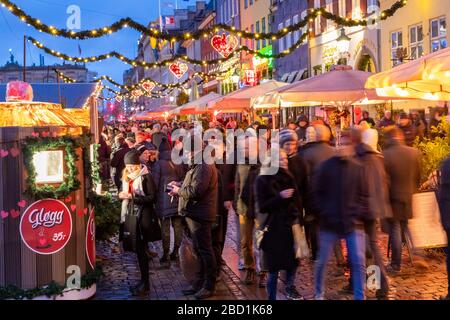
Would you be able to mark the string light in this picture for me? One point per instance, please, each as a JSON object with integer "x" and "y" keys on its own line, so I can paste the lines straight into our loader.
{"x": 128, "y": 22}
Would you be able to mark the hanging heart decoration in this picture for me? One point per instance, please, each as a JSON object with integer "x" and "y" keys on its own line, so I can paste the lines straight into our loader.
{"x": 178, "y": 69}
{"x": 136, "y": 93}
{"x": 119, "y": 98}
{"x": 148, "y": 86}
{"x": 35, "y": 134}
{"x": 3, "y": 153}
{"x": 14, "y": 152}
{"x": 4, "y": 214}
{"x": 14, "y": 213}
{"x": 224, "y": 44}
{"x": 22, "y": 203}
{"x": 45, "y": 134}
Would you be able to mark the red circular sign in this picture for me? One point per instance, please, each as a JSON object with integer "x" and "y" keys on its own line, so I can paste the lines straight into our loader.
{"x": 90, "y": 239}
{"x": 46, "y": 226}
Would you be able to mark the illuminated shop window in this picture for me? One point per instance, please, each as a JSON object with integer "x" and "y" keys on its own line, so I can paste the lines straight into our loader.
{"x": 49, "y": 166}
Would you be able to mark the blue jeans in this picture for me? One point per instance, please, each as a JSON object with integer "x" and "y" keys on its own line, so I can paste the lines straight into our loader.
{"x": 272, "y": 281}
{"x": 356, "y": 247}
{"x": 397, "y": 229}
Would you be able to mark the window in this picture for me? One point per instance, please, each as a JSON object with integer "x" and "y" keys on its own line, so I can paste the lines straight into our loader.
{"x": 49, "y": 166}
{"x": 318, "y": 18}
{"x": 258, "y": 43}
{"x": 281, "y": 40}
{"x": 438, "y": 34}
{"x": 329, "y": 8}
{"x": 263, "y": 29}
{"x": 296, "y": 33}
{"x": 416, "y": 41}
{"x": 245, "y": 4}
{"x": 289, "y": 35}
{"x": 396, "y": 43}
{"x": 252, "y": 30}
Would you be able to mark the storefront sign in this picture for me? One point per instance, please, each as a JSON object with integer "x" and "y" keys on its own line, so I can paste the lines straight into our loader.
{"x": 46, "y": 226}
{"x": 250, "y": 78}
{"x": 90, "y": 239}
{"x": 425, "y": 227}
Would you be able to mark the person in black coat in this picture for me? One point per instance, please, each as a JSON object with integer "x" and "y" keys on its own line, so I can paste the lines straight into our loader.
{"x": 165, "y": 171}
{"x": 409, "y": 130}
{"x": 198, "y": 204}
{"x": 117, "y": 161}
{"x": 340, "y": 197}
{"x": 139, "y": 190}
{"x": 444, "y": 206}
{"x": 278, "y": 204}
{"x": 402, "y": 165}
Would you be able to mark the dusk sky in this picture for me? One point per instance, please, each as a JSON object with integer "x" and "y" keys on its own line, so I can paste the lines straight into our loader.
{"x": 94, "y": 13}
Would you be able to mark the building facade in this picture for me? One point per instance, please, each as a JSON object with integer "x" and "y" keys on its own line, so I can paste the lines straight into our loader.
{"x": 12, "y": 70}
{"x": 256, "y": 17}
{"x": 418, "y": 29}
{"x": 292, "y": 67}
{"x": 363, "y": 51}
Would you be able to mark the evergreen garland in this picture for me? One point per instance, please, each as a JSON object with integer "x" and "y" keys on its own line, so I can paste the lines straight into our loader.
{"x": 71, "y": 183}
{"x": 53, "y": 289}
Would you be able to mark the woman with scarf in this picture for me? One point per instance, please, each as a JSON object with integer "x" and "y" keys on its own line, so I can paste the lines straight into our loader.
{"x": 278, "y": 209}
{"x": 139, "y": 196}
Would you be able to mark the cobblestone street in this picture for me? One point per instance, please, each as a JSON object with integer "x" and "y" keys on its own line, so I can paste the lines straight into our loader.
{"x": 424, "y": 281}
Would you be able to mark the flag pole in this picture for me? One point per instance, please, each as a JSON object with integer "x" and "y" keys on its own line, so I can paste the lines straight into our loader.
{"x": 160, "y": 17}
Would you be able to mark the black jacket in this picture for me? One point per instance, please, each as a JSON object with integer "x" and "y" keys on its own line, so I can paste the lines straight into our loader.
{"x": 402, "y": 166}
{"x": 444, "y": 194}
{"x": 298, "y": 169}
{"x": 146, "y": 204}
{"x": 377, "y": 182}
{"x": 244, "y": 191}
{"x": 117, "y": 159}
{"x": 279, "y": 215}
{"x": 165, "y": 171}
{"x": 340, "y": 195}
{"x": 199, "y": 193}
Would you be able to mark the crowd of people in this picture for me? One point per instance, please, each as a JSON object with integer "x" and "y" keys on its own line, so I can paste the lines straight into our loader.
{"x": 332, "y": 192}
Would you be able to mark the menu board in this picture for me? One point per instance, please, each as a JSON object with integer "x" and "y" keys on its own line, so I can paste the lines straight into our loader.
{"x": 425, "y": 227}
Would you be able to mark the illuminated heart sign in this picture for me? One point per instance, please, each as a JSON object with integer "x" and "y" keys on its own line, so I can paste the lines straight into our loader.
{"x": 148, "y": 86}
{"x": 118, "y": 98}
{"x": 136, "y": 93}
{"x": 178, "y": 69}
{"x": 224, "y": 44}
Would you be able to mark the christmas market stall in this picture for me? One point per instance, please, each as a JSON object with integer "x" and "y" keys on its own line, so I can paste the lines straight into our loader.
{"x": 197, "y": 106}
{"x": 47, "y": 228}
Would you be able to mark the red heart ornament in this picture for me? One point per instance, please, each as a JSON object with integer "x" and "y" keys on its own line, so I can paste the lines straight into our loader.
{"x": 54, "y": 134}
{"x": 68, "y": 199}
{"x": 224, "y": 44}
{"x": 35, "y": 134}
{"x": 3, "y": 153}
{"x": 118, "y": 98}
{"x": 42, "y": 242}
{"x": 178, "y": 69}
{"x": 73, "y": 207}
{"x": 22, "y": 203}
{"x": 80, "y": 213}
{"x": 148, "y": 86}
{"x": 14, "y": 152}
{"x": 15, "y": 213}
{"x": 45, "y": 134}
{"x": 136, "y": 93}
{"x": 85, "y": 211}
{"x": 4, "y": 214}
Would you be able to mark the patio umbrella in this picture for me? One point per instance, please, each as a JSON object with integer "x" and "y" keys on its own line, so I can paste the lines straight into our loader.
{"x": 426, "y": 78}
{"x": 198, "y": 106}
{"x": 240, "y": 100}
{"x": 341, "y": 86}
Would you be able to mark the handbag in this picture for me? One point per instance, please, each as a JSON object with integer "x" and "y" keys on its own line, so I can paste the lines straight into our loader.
{"x": 130, "y": 227}
{"x": 300, "y": 244}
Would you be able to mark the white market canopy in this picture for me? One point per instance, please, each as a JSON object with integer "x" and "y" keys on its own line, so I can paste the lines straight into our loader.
{"x": 197, "y": 106}
{"x": 241, "y": 100}
{"x": 342, "y": 86}
{"x": 426, "y": 78}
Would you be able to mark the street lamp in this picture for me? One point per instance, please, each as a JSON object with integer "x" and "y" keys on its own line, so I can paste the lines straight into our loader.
{"x": 343, "y": 42}
{"x": 235, "y": 77}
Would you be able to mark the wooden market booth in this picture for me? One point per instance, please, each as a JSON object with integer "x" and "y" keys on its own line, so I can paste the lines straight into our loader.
{"x": 47, "y": 233}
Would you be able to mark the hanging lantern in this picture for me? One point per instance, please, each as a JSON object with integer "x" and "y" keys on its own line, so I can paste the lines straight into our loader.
{"x": 119, "y": 98}
{"x": 224, "y": 44}
{"x": 136, "y": 93}
{"x": 178, "y": 69}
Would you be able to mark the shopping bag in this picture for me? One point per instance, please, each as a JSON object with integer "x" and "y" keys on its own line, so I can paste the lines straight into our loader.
{"x": 189, "y": 261}
{"x": 300, "y": 245}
